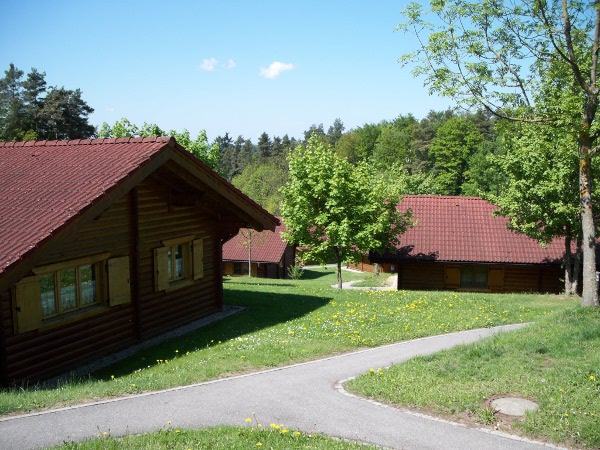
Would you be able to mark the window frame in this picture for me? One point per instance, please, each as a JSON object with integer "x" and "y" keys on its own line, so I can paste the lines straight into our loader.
{"x": 112, "y": 287}
{"x": 165, "y": 263}
{"x": 56, "y": 269}
{"x": 474, "y": 271}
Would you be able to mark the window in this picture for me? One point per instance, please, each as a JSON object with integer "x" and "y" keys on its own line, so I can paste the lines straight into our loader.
{"x": 237, "y": 268}
{"x": 178, "y": 263}
{"x": 69, "y": 289}
{"x": 175, "y": 257}
{"x": 473, "y": 277}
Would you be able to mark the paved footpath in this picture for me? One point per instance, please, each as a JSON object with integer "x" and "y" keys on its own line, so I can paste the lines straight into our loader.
{"x": 308, "y": 397}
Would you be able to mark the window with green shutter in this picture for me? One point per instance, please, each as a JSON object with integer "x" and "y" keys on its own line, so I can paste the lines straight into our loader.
{"x": 69, "y": 289}
{"x": 178, "y": 263}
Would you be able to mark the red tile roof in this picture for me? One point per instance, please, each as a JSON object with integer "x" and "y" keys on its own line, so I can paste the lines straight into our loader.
{"x": 464, "y": 229}
{"x": 267, "y": 247}
{"x": 46, "y": 184}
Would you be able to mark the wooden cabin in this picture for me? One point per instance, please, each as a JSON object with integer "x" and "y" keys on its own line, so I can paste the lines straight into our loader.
{"x": 458, "y": 243}
{"x": 266, "y": 252}
{"x": 105, "y": 243}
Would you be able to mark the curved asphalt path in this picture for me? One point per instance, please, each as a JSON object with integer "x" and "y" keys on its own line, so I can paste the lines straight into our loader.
{"x": 308, "y": 397}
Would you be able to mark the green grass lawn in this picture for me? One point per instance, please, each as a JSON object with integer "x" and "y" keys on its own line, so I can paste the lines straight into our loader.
{"x": 555, "y": 362}
{"x": 273, "y": 436}
{"x": 287, "y": 321}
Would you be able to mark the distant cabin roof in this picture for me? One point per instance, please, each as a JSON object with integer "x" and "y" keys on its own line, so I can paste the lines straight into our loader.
{"x": 464, "y": 229}
{"x": 44, "y": 185}
{"x": 267, "y": 246}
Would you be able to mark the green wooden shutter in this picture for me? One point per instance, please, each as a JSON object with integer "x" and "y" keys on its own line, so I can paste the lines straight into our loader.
{"x": 452, "y": 277}
{"x": 161, "y": 268}
{"x": 198, "y": 258}
{"x": 496, "y": 279}
{"x": 119, "y": 290}
{"x": 28, "y": 305}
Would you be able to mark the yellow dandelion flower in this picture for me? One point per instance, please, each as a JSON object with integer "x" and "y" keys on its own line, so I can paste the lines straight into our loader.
{"x": 177, "y": 431}
{"x": 259, "y": 444}
{"x": 592, "y": 377}
{"x": 112, "y": 377}
{"x": 104, "y": 433}
{"x": 297, "y": 433}
{"x": 248, "y": 420}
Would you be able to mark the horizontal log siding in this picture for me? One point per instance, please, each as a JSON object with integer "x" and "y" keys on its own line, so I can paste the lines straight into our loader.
{"x": 164, "y": 311}
{"x": 45, "y": 353}
{"x": 421, "y": 276}
{"x": 6, "y": 319}
{"x": 552, "y": 280}
{"x": 522, "y": 279}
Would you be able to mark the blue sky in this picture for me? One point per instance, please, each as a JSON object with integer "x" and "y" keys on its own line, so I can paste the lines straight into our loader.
{"x": 243, "y": 67}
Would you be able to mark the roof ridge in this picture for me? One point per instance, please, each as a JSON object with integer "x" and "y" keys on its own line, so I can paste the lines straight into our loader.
{"x": 443, "y": 197}
{"x": 123, "y": 140}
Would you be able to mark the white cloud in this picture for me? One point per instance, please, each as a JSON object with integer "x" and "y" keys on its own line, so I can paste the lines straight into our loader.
{"x": 275, "y": 69}
{"x": 208, "y": 64}
{"x": 231, "y": 64}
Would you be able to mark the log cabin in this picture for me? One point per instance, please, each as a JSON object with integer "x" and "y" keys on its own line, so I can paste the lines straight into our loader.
{"x": 105, "y": 243}
{"x": 268, "y": 254}
{"x": 458, "y": 243}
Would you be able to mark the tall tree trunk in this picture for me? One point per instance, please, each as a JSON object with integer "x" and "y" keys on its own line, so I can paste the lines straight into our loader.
{"x": 577, "y": 267}
{"x": 589, "y": 295}
{"x": 339, "y": 268}
{"x": 568, "y": 264}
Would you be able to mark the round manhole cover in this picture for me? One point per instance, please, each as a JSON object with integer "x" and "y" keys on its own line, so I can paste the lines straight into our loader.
{"x": 513, "y": 406}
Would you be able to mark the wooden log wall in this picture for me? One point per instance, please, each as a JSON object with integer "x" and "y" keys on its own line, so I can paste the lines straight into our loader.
{"x": 164, "y": 311}
{"x": 418, "y": 276}
{"x": 47, "y": 352}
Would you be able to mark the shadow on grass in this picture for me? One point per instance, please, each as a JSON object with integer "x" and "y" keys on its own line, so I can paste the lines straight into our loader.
{"x": 314, "y": 274}
{"x": 262, "y": 309}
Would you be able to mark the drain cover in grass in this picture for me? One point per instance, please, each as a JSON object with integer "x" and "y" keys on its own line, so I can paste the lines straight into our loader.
{"x": 513, "y": 406}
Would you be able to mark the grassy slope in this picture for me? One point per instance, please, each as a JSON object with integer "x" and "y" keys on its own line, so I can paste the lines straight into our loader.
{"x": 555, "y": 362}
{"x": 288, "y": 321}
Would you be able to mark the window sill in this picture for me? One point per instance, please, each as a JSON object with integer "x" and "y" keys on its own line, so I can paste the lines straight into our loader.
{"x": 72, "y": 316}
{"x": 175, "y": 285}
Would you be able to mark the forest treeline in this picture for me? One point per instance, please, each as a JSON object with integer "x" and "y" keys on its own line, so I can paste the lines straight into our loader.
{"x": 446, "y": 152}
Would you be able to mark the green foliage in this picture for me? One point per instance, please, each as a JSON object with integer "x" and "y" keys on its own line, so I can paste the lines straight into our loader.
{"x": 541, "y": 194}
{"x": 336, "y": 210}
{"x": 358, "y": 144}
{"x": 554, "y": 361}
{"x": 268, "y": 436}
{"x": 394, "y": 144}
{"x": 262, "y": 182}
{"x": 454, "y": 143}
{"x": 529, "y": 61}
{"x": 484, "y": 176}
{"x": 199, "y": 147}
{"x": 295, "y": 271}
{"x": 285, "y": 322}
{"x": 29, "y": 110}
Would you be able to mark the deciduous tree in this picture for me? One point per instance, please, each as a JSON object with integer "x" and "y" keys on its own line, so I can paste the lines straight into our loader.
{"x": 336, "y": 210}
{"x": 532, "y": 60}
